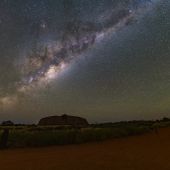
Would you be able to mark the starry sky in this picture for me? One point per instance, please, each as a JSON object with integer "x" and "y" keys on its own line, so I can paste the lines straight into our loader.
{"x": 105, "y": 60}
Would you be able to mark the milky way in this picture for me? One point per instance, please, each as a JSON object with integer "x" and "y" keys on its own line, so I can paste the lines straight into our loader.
{"x": 77, "y": 37}
{"x": 104, "y": 59}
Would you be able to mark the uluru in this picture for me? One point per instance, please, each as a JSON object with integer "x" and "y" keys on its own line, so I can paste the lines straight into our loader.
{"x": 64, "y": 120}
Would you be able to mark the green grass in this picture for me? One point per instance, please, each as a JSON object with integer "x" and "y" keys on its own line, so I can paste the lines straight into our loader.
{"x": 25, "y": 137}
{"x": 36, "y": 136}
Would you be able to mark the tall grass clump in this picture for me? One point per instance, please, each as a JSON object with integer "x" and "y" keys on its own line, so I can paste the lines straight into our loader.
{"x": 45, "y": 137}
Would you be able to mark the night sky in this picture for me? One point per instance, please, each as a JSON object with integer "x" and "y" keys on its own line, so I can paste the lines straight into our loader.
{"x": 105, "y": 60}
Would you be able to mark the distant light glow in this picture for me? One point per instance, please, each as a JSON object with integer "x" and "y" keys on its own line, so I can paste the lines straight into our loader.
{"x": 8, "y": 102}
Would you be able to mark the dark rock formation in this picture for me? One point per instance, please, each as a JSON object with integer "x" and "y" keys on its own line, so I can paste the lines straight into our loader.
{"x": 64, "y": 120}
{"x": 7, "y": 123}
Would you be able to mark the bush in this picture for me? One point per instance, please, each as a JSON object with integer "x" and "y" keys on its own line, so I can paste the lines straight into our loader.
{"x": 34, "y": 136}
{"x": 39, "y": 137}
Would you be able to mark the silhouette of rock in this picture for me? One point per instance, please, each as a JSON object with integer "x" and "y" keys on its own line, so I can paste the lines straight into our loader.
{"x": 7, "y": 123}
{"x": 64, "y": 120}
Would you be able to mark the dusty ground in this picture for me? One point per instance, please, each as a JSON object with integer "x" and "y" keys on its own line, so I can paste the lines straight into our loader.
{"x": 146, "y": 152}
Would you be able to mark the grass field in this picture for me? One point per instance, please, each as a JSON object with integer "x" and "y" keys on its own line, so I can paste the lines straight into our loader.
{"x": 37, "y": 136}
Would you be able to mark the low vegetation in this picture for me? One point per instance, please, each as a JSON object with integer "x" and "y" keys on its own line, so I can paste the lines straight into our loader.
{"x": 35, "y": 136}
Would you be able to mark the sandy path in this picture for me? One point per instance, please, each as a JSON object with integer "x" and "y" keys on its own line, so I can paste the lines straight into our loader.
{"x": 146, "y": 152}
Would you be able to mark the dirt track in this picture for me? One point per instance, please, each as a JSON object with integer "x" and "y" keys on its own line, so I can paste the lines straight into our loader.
{"x": 146, "y": 152}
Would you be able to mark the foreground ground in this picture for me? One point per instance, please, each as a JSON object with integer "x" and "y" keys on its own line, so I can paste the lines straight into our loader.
{"x": 149, "y": 152}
